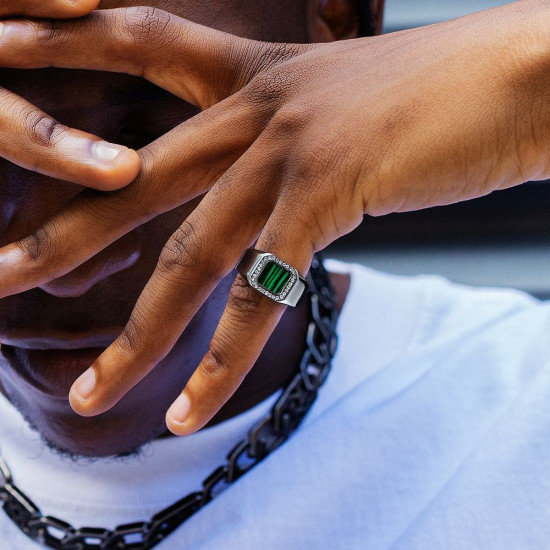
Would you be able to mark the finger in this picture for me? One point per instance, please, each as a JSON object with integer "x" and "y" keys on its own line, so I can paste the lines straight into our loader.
{"x": 244, "y": 329}
{"x": 51, "y": 8}
{"x": 199, "y": 254}
{"x": 171, "y": 175}
{"x": 196, "y": 63}
{"x": 32, "y": 139}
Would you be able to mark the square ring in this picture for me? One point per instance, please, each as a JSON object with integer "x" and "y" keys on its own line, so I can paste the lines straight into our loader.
{"x": 272, "y": 276}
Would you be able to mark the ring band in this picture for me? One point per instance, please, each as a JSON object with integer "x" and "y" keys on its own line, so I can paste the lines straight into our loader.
{"x": 272, "y": 276}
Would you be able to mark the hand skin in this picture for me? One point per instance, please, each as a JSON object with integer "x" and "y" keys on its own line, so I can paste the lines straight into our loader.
{"x": 326, "y": 134}
{"x": 44, "y": 145}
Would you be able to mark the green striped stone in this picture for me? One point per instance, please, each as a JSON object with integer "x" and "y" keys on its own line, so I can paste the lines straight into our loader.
{"x": 273, "y": 278}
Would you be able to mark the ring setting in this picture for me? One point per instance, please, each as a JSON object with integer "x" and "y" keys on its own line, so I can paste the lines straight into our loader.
{"x": 272, "y": 276}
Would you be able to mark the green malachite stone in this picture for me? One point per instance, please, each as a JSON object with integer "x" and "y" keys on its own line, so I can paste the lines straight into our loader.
{"x": 273, "y": 278}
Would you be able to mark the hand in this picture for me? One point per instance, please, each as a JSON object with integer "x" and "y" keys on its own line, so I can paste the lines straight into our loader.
{"x": 295, "y": 144}
{"x": 34, "y": 140}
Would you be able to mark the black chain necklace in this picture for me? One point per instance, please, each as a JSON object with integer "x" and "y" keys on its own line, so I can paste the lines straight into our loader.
{"x": 264, "y": 437}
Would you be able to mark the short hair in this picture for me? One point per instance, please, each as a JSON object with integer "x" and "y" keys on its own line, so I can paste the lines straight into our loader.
{"x": 367, "y": 25}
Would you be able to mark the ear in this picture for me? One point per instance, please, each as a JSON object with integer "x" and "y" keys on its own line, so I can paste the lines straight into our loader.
{"x": 330, "y": 20}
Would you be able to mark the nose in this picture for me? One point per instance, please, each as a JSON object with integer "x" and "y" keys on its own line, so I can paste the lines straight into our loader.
{"x": 120, "y": 255}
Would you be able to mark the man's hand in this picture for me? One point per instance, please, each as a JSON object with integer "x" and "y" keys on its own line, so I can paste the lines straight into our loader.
{"x": 295, "y": 144}
{"x": 34, "y": 140}
{"x": 49, "y": 8}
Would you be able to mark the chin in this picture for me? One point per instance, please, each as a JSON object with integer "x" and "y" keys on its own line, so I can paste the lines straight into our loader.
{"x": 123, "y": 430}
{"x": 105, "y": 435}
{"x": 37, "y": 380}
{"x": 102, "y": 436}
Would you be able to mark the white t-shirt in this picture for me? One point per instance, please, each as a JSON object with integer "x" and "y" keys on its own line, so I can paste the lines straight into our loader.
{"x": 431, "y": 432}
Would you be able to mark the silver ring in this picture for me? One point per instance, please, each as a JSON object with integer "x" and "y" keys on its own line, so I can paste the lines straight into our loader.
{"x": 272, "y": 276}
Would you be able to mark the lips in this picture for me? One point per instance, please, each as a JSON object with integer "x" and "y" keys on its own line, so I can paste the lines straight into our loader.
{"x": 50, "y": 371}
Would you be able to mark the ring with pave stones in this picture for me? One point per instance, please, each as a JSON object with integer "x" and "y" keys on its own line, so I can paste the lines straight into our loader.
{"x": 272, "y": 276}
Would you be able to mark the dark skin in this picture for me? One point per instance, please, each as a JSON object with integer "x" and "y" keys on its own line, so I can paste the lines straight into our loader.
{"x": 296, "y": 141}
{"x": 88, "y": 303}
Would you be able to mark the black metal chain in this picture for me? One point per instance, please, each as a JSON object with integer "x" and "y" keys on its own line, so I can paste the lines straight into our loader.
{"x": 264, "y": 437}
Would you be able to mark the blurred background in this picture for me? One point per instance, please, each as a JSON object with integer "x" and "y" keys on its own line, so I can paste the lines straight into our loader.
{"x": 499, "y": 240}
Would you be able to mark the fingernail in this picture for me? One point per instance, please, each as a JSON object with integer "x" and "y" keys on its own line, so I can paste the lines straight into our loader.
{"x": 2, "y": 28}
{"x": 84, "y": 385}
{"x": 179, "y": 411}
{"x": 107, "y": 152}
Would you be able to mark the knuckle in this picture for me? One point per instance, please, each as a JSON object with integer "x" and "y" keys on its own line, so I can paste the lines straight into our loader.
{"x": 182, "y": 250}
{"x": 130, "y": 337}
{"x": 145, "y": 24}
{"x": 216, "y": 361}
{"x": 243, "y": 300}
{"x": 37, "y": 246}
{"x": 269, "y": 89}
{"x": 290, "y": 119}
{"x": 44, "y": 130}
{"x": 48, "y": 33}
{"x": 188, "y": 252}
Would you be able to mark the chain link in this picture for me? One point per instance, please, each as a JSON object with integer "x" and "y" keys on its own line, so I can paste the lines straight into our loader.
{"x": 264, "y": 437}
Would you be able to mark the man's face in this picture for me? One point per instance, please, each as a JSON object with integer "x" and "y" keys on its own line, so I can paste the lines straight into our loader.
{"x": 51, "y": 334}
